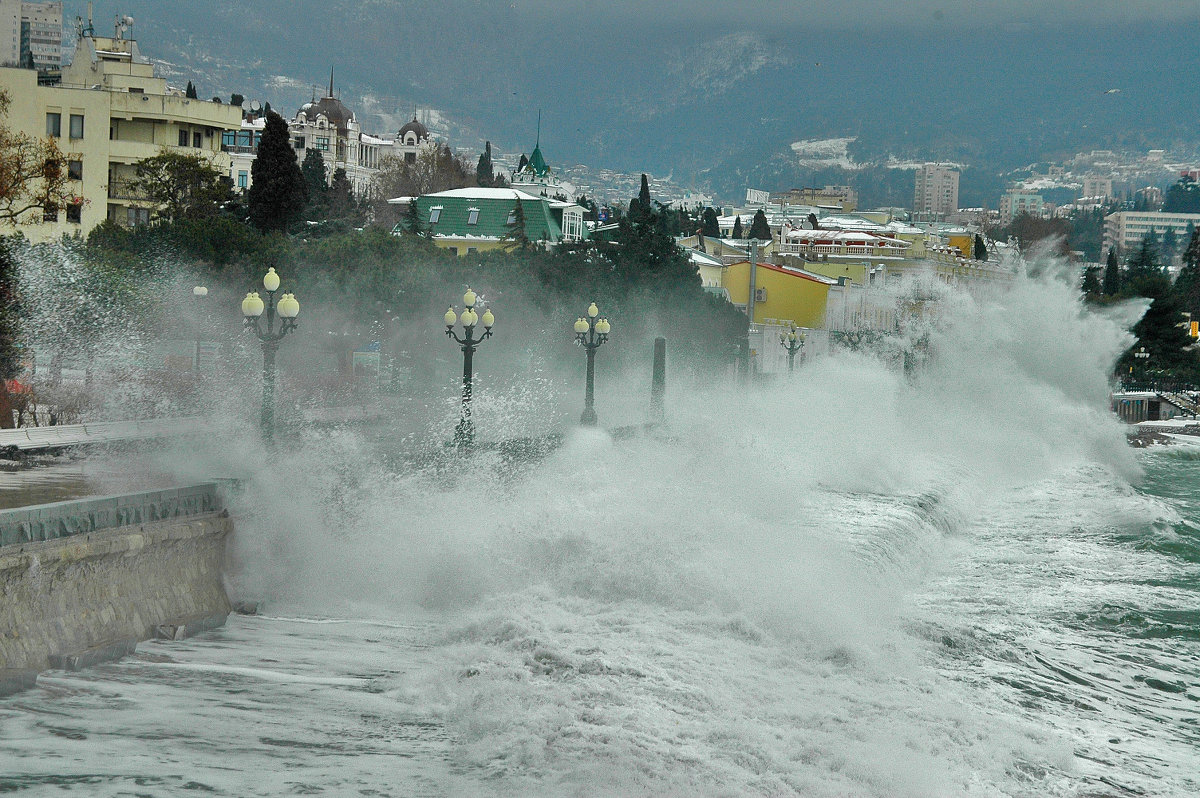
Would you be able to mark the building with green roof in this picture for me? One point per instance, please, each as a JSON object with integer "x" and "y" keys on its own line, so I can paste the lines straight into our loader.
{"x": 471, "y": 220}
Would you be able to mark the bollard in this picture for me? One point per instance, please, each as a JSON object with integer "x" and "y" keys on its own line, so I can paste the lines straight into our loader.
{"x": 658, "y": 383}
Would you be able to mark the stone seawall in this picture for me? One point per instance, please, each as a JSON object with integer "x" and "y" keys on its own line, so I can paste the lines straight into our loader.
{"x": 65, "y": 597}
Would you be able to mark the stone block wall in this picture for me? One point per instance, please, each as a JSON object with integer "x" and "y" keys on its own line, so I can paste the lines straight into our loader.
{"x": 75, "y": 593}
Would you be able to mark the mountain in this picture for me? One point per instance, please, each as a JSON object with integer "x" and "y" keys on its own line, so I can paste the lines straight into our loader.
{"x": 713, "y": 97}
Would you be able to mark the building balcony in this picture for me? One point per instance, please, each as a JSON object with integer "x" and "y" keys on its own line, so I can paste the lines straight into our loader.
{"x": 177, "y": 109}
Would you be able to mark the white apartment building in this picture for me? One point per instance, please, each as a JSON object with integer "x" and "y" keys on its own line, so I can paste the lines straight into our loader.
{"x": 1015, "y": 203}
{"x": 1126, "y": 229}
{"x": 1097, "y": 187}
{"x": 936, "y": 189}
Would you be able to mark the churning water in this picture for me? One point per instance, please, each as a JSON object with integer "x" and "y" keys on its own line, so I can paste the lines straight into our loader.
{"x": 843, "y": 584}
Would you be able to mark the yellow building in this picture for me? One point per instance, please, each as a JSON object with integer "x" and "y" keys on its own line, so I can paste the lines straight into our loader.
{"x": 108, "y": 113}
{"x": 782, "y": 294}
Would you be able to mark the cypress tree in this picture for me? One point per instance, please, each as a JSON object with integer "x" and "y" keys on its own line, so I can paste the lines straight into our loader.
{"x": 709, "y": 224}
{"x": 759, "y": 228}
{"x": 412, "y": 219}
{"x": 1091, "y": 282}
{"x": 1112, "y": 274}
{"x": 190, "y": 91}
{"x": 981, "y": 250}
{"x": 644, "y": 196}
{"x": 516, "y": 237}
{"x": 277, "y": 195}
{"x": 737, "y": 226}
{"x": 340, "y": 197}
{"x": 484, "y": 173}
{"x": 313, "y": 169}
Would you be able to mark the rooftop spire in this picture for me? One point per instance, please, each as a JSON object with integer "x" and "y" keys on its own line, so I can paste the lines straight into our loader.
{"x": 331, "y": 80}
{"x": 538, "y": 142}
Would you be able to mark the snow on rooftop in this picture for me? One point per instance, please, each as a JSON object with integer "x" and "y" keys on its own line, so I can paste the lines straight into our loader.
{"x": 486, "y": 193}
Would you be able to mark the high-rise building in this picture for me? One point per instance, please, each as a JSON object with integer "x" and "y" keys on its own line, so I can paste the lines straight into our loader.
{"x": 937, "y": 189}
{"x": 1019, "y": 202}
{"x": 41, "y": 35}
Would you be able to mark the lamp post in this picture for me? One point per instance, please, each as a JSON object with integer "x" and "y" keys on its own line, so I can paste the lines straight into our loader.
{"x": 591, "y": 333}
{"x": 1143, "y": 357}
{"x": 464, "y": 433}
{"x": 793, "y": 342}
{"x": 287, "y": 309}
{"x": 199, "y": 292}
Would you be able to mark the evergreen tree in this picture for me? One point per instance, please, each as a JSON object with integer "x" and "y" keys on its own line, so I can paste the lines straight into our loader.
{"x": 981, "y": 250}
{"x": 190, "y": 91}
{"x": 1182, "y": 197}
{"x": 277, "y": 194}
{"x": 1170, "y": 246}
{"x": 709, "y": 224}
{"x": 644, "y": 196}
{"x": 759, "y": 228}
{"x": 516, "y": 236}
{"x": 412, "y": 219}
{"x": 1162, "y": 333}
{"x": 1187, "y": 285}
{"x": 1112, "y": 274}
{"x": 484, "y": 172}
{"x": 313, "y": 169}
{"x": 236, "y": 99}
{"x": 340, "y": 198}
{"x": 1091, "y": 282}
{"x": 1144, "y": 274}
{"x": 737, "y": 226}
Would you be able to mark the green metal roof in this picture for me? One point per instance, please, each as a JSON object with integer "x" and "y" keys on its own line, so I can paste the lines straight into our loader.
{"x": 492, "y": 221}
{"x": 537, "y": 163}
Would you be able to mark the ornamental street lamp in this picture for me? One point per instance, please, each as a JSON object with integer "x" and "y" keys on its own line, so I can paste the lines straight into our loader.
{"x": 1143, "y": 358}
{"x": 287, "y": 309}
{"x": 199, "y": 292}
{"x": 464, "y": 433}
{"x": 793, "y": 342}
{"x": 591, "y": 333}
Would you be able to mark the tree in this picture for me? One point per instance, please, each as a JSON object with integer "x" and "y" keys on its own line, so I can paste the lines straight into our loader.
{"x": 484, "y": 171}
{"x": 1091, "y": 282}
{"x": 737, "y": 226}
{"x": 181, "y": 185}
{"x": 1164, "y": 337}
{"x": 758, "y": 226}
{"x": 32, "y": 175}
{"x": 340, "y": 199}
{"x": 436, "y": 168}
{"x": 1187, "y": 285}
{"x": 190, "y": 92}
{"x": 10, "y": 350}
{"x": 1170, "y": 246}
{"x": 1182, "y": 197}
{"x": 1144, "y": 274}
{"x": 709, "y": 224}
{"x": 644, "y": 196}
{"x": 412, "y": 219}
{"x": 277, "y": 195}
{"x": 313, "y": 169}
{"x": 981, "y": 250}
{"x": 1112, "y": 274}
{"x": 516, "y": 236}
{"x": 236, "y": 99}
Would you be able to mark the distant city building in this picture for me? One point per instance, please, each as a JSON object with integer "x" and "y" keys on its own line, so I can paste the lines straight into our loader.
{"x": 329, "y": 127}
{"x": 31, "y": 34}
{"x": 109, "y": 112}
{"x": 936, "y": 190}
{"x": 840, "y": 198}
{"x": 1015, "y": 203}
{"x": 1126, "y": 229}
{"x": 1100, "y": 188}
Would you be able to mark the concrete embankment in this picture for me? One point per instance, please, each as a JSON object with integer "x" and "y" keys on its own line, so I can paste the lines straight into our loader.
{"x": 84, "y": 581}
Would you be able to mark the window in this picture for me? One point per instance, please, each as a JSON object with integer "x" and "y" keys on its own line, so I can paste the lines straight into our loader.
{"x": 75, "y": 212}
{"x": 136, "y": 216}
{"x": 435, "y": 214}
{"x": 228, "y": 139}
{"x": 472, "y": 250}
{"x": 50, "y": 212}
{"x": 196, "y": 140}
{"x": 453, "y": 250}
{"x": 473, "y": 216}
{"x": 54, "y": 125}
{"x": 323, "y": 143}
{"x": 74, "y": 170}
{"x": 243, "y": 179}
{"x": 512, "y": 217}
{"x": 76, "y": 126}
{"x": 183, "y": 138}
{"x": 298, "y": 143}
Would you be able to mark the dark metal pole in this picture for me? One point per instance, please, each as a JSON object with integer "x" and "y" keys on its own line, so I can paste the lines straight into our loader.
{"x": 658, "y": 382}
{"x": 589, "y": 395}
{"x": 465, "y": 434}
{"x": 268, "y": 402}
{"x": 791, "y": 360}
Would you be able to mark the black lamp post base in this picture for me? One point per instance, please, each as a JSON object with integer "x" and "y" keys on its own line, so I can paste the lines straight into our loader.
{"x": 588, "y": 419}
{"x": 464, "y": 434}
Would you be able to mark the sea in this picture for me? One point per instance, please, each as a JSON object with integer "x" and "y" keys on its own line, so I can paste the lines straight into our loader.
{"x": 846, "y": 581}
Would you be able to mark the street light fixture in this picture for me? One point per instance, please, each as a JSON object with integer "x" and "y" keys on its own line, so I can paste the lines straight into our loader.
{"x": 464, "y": 433}
{"x": 287, "y": 309}
{"x": 591, "y": 333}
{"x": 793, "y": 342}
